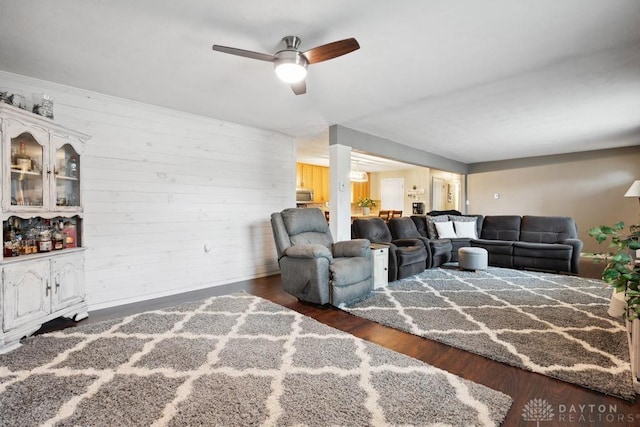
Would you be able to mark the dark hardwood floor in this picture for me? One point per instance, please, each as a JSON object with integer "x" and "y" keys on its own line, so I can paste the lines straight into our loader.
{"x": 572, "y": 405}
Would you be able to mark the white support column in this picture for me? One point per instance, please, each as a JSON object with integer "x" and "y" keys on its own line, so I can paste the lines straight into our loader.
{"x": 340, "y": 190}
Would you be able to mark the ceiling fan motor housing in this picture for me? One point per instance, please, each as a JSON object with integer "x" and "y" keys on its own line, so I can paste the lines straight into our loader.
{"x": 291, "y": 42}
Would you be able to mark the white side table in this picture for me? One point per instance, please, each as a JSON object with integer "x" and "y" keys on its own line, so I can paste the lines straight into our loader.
{"x": 380, "y": 260}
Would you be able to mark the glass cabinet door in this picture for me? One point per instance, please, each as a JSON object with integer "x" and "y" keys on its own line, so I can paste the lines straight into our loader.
{"x": 67, "y": 174}
{"x": 26, "y": 171}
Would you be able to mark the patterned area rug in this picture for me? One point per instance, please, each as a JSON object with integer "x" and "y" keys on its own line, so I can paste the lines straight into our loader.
{"x": 231, "y": 360}
{"x": 551, "y": 324}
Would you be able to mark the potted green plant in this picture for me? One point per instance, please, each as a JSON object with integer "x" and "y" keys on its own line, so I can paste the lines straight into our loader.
{"x": 621, "y": 272}
{"x": 366, "y": 204}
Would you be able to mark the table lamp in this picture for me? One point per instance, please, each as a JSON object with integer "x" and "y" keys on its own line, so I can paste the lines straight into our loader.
{"x": 634, "y": 190}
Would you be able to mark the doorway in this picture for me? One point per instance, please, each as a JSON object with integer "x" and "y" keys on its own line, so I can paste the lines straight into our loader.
{"x": 445, "y": 193}
{"x": 437, "y": 194}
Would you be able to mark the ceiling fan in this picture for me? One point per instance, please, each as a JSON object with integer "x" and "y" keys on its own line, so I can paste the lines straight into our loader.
{"x": 290, "y": 63}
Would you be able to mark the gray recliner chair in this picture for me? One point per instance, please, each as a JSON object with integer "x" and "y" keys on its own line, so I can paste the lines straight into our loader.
{"x": 406, "y": 256}
{"x": 313, "y": 267}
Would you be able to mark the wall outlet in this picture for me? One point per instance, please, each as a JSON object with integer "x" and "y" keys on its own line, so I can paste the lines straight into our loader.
{"x": 496, "y": 196}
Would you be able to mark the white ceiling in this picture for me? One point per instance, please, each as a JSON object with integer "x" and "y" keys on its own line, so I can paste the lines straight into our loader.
{"x": 469, "y": 80}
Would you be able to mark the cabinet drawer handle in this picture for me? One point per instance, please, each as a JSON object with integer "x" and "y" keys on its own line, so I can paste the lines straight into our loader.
{"x": 48, "y": 288}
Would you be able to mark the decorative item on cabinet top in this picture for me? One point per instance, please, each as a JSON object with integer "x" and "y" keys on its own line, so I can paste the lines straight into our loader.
{"x": 13, "y": 97}
{"x": 13, "y": 112}
{"x": 42, "y": 103}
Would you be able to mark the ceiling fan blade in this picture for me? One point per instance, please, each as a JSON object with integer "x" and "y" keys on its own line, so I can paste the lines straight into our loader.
{"x": 245, "y": 53}
{"x": 331, "y": 50}
{"x": 299, "y": 88}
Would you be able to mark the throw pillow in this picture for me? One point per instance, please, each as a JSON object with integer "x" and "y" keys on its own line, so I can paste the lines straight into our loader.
{"x": 460, "y": 218}
{"x": 466, "y": 229}
{"x": 445, "y": 230}
{"x": 431, "y": 228}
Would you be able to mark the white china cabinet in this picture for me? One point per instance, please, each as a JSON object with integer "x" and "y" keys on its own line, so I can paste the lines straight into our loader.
{"x": 42, "y": 263}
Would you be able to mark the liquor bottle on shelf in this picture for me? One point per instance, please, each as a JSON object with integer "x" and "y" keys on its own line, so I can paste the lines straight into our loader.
{"x": 73, "y": 166}
{"x": 44, "y": 238}
{"x": 58, "y": 239}
{"x": 14, "y": 154}
{"x": 70, "y": 235}
{"x": 30, "y": 243}
{"x": 16, "y": 229}
{"x": 10, "y": 244}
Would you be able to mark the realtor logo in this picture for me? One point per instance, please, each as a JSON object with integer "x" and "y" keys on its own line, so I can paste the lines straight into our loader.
{"x": 537, "y": 410}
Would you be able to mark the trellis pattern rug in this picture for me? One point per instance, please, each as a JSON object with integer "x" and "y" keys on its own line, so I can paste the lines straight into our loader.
{"x": 551, "y": 324}
{"x": 231, "y": 360}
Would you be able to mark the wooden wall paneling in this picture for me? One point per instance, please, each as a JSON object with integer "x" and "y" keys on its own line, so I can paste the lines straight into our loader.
{"x": 173, "y": 202}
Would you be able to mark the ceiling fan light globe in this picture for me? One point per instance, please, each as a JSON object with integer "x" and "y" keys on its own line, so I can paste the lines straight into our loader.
{"x": 291, "y": 73}
{"x": 290, "y": 66}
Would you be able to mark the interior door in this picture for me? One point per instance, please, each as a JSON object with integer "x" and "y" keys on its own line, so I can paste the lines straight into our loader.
{"x": 392, "y": 194}
{"x": 438, "y": 194}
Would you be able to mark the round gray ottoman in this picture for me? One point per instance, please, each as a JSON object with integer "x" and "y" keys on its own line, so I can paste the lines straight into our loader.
{"x": 472, "y": 258}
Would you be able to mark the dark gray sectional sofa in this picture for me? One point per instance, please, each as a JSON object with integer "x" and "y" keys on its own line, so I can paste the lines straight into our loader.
{"x": 524, "y": 242}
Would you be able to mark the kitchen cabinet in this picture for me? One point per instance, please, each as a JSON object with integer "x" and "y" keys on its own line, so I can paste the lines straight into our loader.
{"x": 42, "y": 261}
{"x": 304, "y": 175}
{"x": 320, "y": 188}
{"x": 360, "y": 190}
{"x": 325, "y": 185}
{"x": 314, "y": 178}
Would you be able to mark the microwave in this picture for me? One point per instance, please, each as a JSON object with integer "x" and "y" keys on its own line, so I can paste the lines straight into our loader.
{"x": 304, "y": 196}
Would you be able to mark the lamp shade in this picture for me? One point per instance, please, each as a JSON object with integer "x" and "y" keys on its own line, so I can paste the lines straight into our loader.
{"x": 358, "y": 176}
{"x": 634, "y": 190}
{"x": 291, "y": 66}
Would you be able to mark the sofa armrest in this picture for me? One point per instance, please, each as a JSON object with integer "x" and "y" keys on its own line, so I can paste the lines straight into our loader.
{"x": 576, "y": 243}
{"x": 309, "y": 251}
{"x": 575, "y": 254}
{"x": 351, "y": 248}
{"x": 408, "y": 242}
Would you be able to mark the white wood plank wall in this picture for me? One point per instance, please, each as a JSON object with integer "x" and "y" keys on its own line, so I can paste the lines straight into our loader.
{"x": 160, "y": 186}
